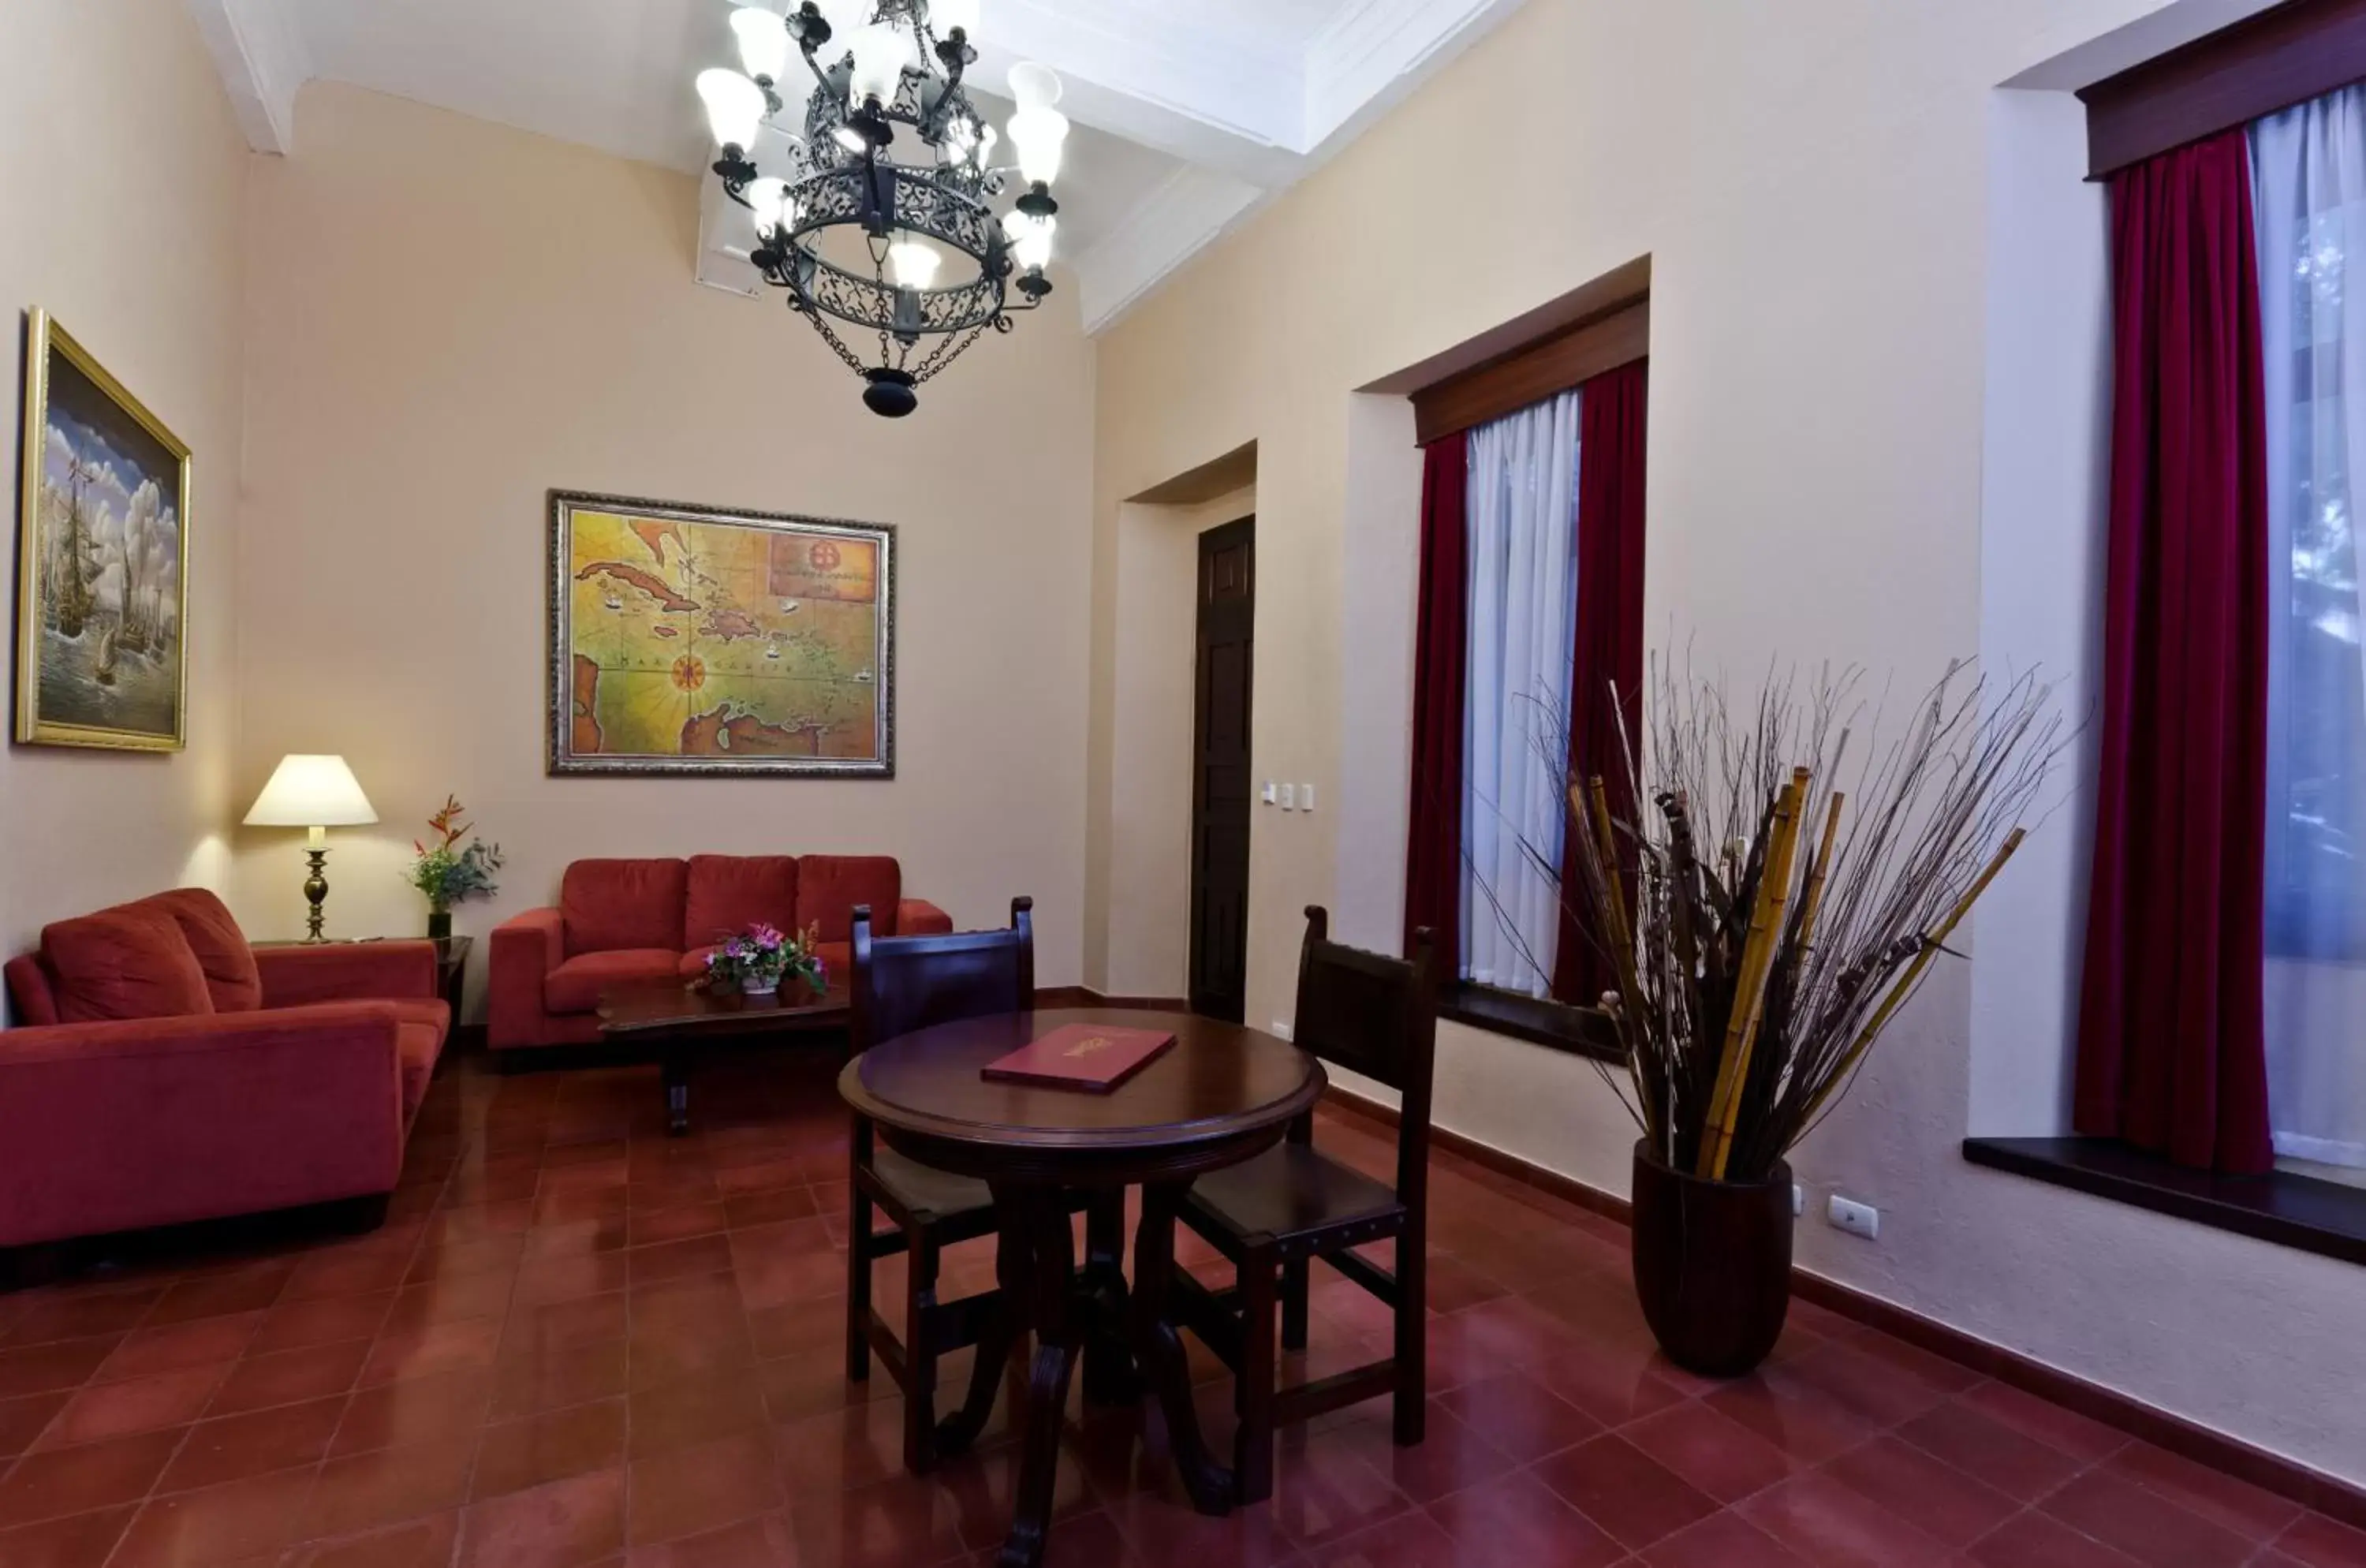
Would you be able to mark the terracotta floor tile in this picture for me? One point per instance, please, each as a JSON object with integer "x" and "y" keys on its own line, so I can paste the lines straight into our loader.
{"x": 2052, "y": 1425}
{"x": 323, "y": 1320}
{"x": 467, "y": 1346}
{"x": 1630, "y": 1495}
{"x": 235, "y": 1446}
{"x": 81, "y": 1480}
{"x": 447, "y": 1409}
{"x": 1451, "y": 1455}
{"x": 534, "y": 1381}
{"x": 414, "y": 1543}
{"x": 1715, "y": 1453}
{"x": 42, "y": 1368}
{"x": 2323, "y": 1543}
{"x": 80, "y": 1540}
{"x": 135, "y": 1404}
{"x": 549, "y": 1447}
{"x": 22, "y": 1419}
{"x": 290, "y": 1377}
{"x": 694, "y": 1489}
{"x": 563, "y": 1524}
{"x": 1827, "y": 1524}
{"x": 1414, "y": 1542}
{"x": 1802, "y": 1420}
{"x": 766, "y": 1540}
{"x": 205, "y": 1342}
{"x": 684, "y": 1415}
{"x": 360, "y": 1491}
{"x": 2000, "y": 1455}
{"x": 2032, "y": 1541}
{"x": 218, "y": 1295}
{"x": 2145, "y": 1525}
{"x": 824, "y": 1454}
{"x": 79, "y": 1315}
{"x": 2222, "y": 1499}
{"x": 216, "y": 1526}
{"x": 1940, "y": 1499}
{"x": 1518, "y": 1519}
{"x": 588, "y": 1320}
{"x": 364, "y": 1270}
{"x": 448, "y": 1298}
{"x": 1721, "y": 1540}
{"x": 648, "y": 1227}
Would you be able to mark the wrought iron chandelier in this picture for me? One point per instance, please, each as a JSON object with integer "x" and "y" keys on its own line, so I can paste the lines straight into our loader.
{"x": 859, "y": 235}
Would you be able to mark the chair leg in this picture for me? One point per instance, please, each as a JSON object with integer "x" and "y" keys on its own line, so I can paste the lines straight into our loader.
{"x": 1293, "y": 1304}
{"x": 858, "y": 1285}
{"x": 1411, "y": 1347}
{"x": 921, "y": 1352}
{"x": 1254, "y": 1390}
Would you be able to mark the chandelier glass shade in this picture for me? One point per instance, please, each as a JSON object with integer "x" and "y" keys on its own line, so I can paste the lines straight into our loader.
{"x": 882, "y": 220}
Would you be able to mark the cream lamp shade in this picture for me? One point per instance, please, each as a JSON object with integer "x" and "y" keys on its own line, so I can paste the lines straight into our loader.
{"x": 312, "y": 791}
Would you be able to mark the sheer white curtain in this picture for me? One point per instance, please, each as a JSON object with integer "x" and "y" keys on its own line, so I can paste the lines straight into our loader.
{"x": 2309, "y": 176}
{"x": 1523, "y": 536}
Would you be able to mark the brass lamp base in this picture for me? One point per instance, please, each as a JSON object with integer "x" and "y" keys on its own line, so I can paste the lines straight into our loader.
{"x": 316, "y": 888}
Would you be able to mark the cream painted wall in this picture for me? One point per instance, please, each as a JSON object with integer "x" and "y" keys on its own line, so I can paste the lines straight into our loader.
{"x": 445, "y": 318}
{"x": 1149, "y": 927}
{"x": 125, "y": 225}
{"x": 1812, "y": 183}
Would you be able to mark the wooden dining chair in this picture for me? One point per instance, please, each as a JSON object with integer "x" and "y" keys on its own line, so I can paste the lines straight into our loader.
{"x": 1272, "y": 1216}
{"x": 899, "y": 985}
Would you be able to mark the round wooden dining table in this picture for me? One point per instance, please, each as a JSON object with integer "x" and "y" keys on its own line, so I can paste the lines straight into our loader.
{"x": 1220, "y": 1095}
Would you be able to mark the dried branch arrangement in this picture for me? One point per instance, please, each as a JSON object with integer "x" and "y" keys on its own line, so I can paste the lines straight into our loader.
{"x": 1765, "y": 923}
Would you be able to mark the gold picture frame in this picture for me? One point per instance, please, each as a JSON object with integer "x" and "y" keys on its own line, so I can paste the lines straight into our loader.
{"x": 102, "y": 559}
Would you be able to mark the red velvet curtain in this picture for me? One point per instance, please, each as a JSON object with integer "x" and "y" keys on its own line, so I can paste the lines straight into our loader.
{"x": 1609, "y": 640}
{"x": 2171, "y": 1053}
{"x": 1434, "y": 829}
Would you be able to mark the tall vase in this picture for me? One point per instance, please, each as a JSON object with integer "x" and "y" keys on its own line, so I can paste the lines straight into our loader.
{"x": 439, "y": 925}
{"x": 1712, "y": 1264}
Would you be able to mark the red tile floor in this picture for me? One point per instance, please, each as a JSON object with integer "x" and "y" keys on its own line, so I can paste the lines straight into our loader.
{"x": 579, "y": 1343}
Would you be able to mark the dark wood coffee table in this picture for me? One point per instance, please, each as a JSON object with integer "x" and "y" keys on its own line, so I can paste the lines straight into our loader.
{"x": 680, "y": 1020}
{"x": 1223, "y": 1095}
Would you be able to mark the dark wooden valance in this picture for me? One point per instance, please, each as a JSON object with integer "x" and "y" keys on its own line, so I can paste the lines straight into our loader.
{"x": 2271, "y": 62}
{"x": 1534, "y": 371}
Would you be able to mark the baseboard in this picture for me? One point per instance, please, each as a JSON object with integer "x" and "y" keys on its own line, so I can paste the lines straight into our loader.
{"x": 2269, "y": 1471}
{"x": 1086, "y": 997}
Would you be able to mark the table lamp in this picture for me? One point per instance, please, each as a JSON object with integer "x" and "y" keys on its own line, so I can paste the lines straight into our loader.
{"x": 314, "y": 794}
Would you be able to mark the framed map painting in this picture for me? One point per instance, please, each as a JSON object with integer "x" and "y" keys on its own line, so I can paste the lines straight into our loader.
{"x": 102, "y": 564}
{"x": 689, "y": 640}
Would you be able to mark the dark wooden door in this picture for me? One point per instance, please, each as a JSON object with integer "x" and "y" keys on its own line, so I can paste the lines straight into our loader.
{"x": 1220, "y": 786}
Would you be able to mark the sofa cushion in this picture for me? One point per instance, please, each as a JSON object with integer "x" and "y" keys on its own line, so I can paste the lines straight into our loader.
{"x": 576, "y": 985}
{"x": 829, "y": 886}
{"x": 420, "y": 1028}
{"x": 729, "y": 893}
{"x": 232, "y": 977}
{"x": 612, "y": 905}
{"x": 29, "y": 987}
{"x": 126, "y": 962}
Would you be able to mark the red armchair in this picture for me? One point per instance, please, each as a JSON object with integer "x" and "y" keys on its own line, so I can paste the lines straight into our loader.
{"x": 163, "y": 1071}
{"x": 623, "y": 920}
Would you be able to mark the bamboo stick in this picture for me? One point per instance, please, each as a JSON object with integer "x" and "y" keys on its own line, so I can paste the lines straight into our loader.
{"x": 1750, "y": 987}
{"x": 1813, "y": 903}
{"x": 1621, "y": 936}
{"x": 1906, "y": 981}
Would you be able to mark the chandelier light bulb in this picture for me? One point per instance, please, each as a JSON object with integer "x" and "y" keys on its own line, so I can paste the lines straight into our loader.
{"x": 1034, "y": 86}
{"x": 767, "y": 198}
{"x": 912, "y": 263}
{"x": 1037, "y": 134}
{"x": 735, "y": 106}
{"x": 1031, "y": 240}
{"x": 880, "y": 52}
{"x": 944, "y": 16}
{"x": 764, "y": 42}
{"x": 987, "y": 139}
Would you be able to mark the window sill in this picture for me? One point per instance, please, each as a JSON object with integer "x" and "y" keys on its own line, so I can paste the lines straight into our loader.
{"x": 1580, "y": 1031}
{"x": 2299, "y": 1212}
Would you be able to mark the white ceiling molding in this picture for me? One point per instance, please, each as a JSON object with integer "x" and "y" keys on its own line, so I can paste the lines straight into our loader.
{"x": 1173, "y": 224}
{"x": 1375, "y": 52}
{"x": 259, "y": 50}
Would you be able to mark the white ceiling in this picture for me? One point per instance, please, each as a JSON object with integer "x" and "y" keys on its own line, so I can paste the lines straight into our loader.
{"x": 1189, "y": 113}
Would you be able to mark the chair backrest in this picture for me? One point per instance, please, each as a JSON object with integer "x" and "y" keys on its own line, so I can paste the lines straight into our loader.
{"x": 903, "y": 983}
{"x": 1377, "y": 1016}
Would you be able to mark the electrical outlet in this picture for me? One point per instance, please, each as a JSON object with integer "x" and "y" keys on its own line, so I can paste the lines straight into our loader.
{"x": 1798, "y": 1200}
{"x": 1857, "y": 1219}
{"x": 1289, "y": 797}
{"x": 1280, "y": 1030}
{"x": 1272, "y": 792}
{"x": 1306, "y": 797}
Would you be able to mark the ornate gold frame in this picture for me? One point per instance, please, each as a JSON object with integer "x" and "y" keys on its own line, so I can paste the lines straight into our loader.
{"x": 43, "y": 335}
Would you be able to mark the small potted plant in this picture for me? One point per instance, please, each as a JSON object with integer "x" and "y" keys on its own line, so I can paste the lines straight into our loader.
{"x": 448, "y": 871}
{"x": 759, "y": 959}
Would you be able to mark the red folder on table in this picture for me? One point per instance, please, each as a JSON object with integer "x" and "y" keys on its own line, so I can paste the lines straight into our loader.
{"x": 1088, "y": 1056}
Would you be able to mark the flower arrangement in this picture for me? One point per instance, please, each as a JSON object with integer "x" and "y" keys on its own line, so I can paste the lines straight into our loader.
{"x": 448, "y": 872}
{"x": 759, "y": 959}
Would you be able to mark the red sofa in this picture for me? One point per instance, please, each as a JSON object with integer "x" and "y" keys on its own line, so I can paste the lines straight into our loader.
{"x": 622, "y": 920}
{"x": 162, "y": 1070}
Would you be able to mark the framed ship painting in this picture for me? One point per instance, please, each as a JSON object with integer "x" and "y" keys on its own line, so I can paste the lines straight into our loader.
{"x": 688, "y": 640}
{"x": 102, "y": 568}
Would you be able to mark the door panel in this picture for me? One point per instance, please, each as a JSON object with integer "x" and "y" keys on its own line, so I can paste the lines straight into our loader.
{"x": 1221, "y": 786}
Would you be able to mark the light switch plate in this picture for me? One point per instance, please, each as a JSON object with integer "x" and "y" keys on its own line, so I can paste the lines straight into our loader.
{"x": 1289, "y": 797}
{"x": 1272, "y": 792}
{"x": 1306, "y": 797}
